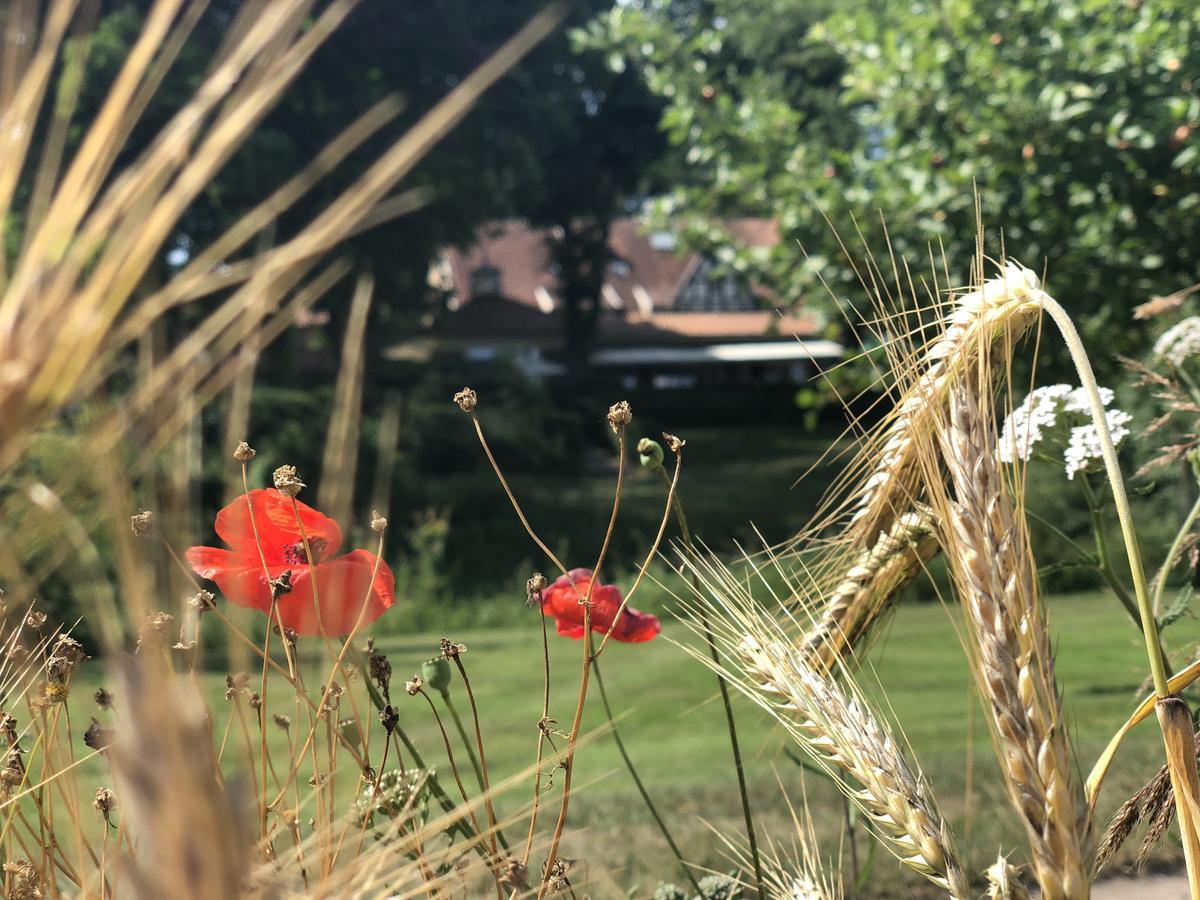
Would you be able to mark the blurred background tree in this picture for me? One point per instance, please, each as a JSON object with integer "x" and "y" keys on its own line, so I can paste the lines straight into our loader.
{"x": 1077, "y": 121}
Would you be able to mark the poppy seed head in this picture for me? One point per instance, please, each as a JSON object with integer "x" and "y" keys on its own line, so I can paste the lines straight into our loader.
{"x": 287, "y": 481}
{"x": 620, "y": 414}
{"x": 378, "y": 522}
{"x": 244, "y": 452}
{"x": 142, "y": 522}
{"x": 466, "y": 400}
{"x": 534, "y": 587}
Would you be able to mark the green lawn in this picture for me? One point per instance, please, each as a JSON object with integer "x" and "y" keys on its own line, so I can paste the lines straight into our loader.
{"x": 674, "y": 728}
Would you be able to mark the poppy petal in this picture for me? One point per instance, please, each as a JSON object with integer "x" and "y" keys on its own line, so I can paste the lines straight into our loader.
{"x": 278, "y": 531}
{"x": 344, "y": 585}
{"x": 240, "y": 579}
{"x": 636, "y": 627}
{"x": 566, "y": 629}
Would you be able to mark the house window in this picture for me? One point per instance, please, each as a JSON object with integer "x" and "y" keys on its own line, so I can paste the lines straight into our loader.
{"x": 707, "y": 291}
{"x": 620, "y": 268}
{"x": 485, "y": 281}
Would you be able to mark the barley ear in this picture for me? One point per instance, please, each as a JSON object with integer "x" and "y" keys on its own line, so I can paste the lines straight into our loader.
{"x": 987, "y": 545}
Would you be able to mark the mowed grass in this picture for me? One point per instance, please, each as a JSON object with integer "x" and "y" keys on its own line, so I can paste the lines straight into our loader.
{"x": 673, "y": 725}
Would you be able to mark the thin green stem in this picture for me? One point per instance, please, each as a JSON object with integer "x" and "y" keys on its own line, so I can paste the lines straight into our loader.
{"x": 662, "y": 826}
{"x": 1105, "y": 566}
{"x": 730, "y": 722}
{"x": 1173, "y": 554}
{"x": 1141, "y": 587}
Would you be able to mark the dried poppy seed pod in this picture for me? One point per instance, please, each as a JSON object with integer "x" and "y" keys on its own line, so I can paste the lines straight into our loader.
{"x": 534, "y": 587}
{"x": 281, "y": 721}
{"x": 452, "y": 649}
{"x": 674, "y": 444}
{"x": 105, "y": 802}
{"x": 36, "y": 619}
{"x": 142, "y": 522}
{"x": 243, "y": 452}
{"x": 650, "y": 454}
{"x": 96, "y": 736}
{"x": 378, "y": 522}
{"x": 287, "y": 481}
{"x": 620, "y": 414}
{"x": 466, "y": 400}
{"x": 203, "y": 602}
{"x": 437, "y": 674}
{"x": 413, "y": 685}
{"x": 103, "y": 698}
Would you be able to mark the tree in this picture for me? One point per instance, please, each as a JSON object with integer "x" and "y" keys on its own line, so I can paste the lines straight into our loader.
{"x": 1076, "y": 120}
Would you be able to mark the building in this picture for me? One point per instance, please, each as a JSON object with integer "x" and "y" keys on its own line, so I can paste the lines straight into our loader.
{"x": 669, "y": 319}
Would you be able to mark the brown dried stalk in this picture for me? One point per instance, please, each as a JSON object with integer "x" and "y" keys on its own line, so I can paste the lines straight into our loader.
{"x": 988, "y": 548}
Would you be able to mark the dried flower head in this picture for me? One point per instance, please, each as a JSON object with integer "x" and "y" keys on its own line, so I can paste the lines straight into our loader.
{"x": 389, "y": 718}
{"x": 281, "y": 585}
{"x": 451, "y": 649}
{"x": 281, "y": 721}
{"x": 620, "y": 414}
{"x": 413, "y": 685}
{"x": 202, "y": 602}
{"x": 65, "y": 657}
{"x": 515, "y": 874}
{"x": 142, "y": 522}
{"x": 378, "y": 522}
{"x": 35, "y": 619}
{"x": 287, "y": 481}
{"x": 255, "y": 700}
{"x": 379, "y": 668}
{"x": 97, "y": 736}
{"x": 104, "y": 803}
{"x": 156, "y": 628}
{"x": 235, "y": 684}
{"x": 51, "y": 693}
{"x": 103, "y": 698}
{"x": 22, "y": 879}
{"x": 243, "y": 452}
{"x": 466, "y": 400}
{"x": 674, "y": 444}
{"x": 534, "y": 587}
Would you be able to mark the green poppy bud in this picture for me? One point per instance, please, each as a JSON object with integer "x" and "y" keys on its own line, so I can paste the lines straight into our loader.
{"x": 437, "y": 673}
{"x": 650, "y": 453}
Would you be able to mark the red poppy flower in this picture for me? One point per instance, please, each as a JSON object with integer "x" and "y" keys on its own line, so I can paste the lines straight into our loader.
{"x": 343, "y": 584}
{"x": 561, "y": 600}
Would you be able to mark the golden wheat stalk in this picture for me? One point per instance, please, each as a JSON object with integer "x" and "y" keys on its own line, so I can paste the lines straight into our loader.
{"x": 832, "y": 722}
{"x": 866, "y": 574}
{"x": 876, "y": 576}
{"x": 987, "y": 544}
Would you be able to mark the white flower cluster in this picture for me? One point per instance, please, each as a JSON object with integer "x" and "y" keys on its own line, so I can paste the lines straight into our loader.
{"x": 1058, "y": 416}
{"x": 1180, "y": 342}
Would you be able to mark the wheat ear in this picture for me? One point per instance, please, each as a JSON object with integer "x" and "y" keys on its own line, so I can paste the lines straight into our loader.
{"x": 998, "y": 313}
{"x": 988, "y": 548}
{"x": 1001, "y": 310}
{"x": 869, "y": 585}
{"x": 833, "y": 723}
{"x": 1004, "y": 882}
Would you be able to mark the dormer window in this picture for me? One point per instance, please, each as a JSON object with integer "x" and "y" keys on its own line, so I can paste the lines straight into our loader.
{"x": 485, "y": 281}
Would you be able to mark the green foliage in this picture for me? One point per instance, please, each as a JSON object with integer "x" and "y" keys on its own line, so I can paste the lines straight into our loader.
{"x": 1076, "y": 120}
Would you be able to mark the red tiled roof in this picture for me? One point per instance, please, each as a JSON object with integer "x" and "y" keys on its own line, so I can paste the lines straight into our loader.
{"x": 519, "y": 252}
